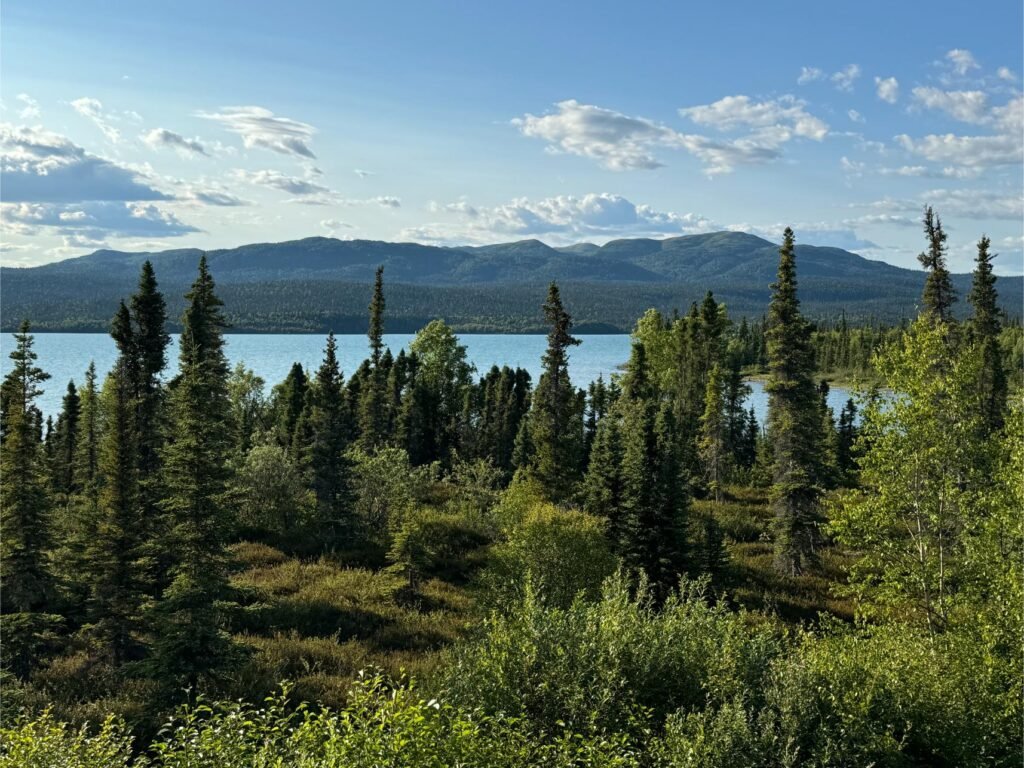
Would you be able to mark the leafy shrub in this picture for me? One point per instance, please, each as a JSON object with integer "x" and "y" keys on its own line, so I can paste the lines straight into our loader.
{"x": 612, "y": 665}
{"x": 561, "y": 553}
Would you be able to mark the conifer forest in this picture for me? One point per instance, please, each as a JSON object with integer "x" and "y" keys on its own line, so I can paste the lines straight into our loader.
{"x": 415, "y": 563}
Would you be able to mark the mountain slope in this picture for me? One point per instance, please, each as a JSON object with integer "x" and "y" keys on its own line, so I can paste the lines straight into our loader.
{"x": 301, "y": 284}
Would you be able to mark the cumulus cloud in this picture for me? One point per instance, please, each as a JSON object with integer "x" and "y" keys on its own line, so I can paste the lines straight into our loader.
{"x": 616, "y": 141}
{"x": 809, "y": 75}
{"x": 620, "y": 142}
{"x": 1004, "y": 147}
{"x": 845, "y": 77}
{"x": 962, "y": 61}
{"x": 163, "y": 138}
{"x": 561, "y": 219}
{"x": 734, "y": 112}
{"x": 92, "y": 109}
{"x": 969, "y": 151}
{"x": 40, "y": 166}
{"x": 966, "y": 106}
{"x": 260, "y": 128}
{"x": 93, "y": 221}
{"x": 855, "y": 116}
{"x": 31, "y": 109}
{"x": 888, "y": 89}
{"x": 1007, "y": 74}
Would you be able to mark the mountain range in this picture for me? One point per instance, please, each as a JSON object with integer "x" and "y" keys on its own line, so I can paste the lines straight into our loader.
{"x": 319, "y": 283}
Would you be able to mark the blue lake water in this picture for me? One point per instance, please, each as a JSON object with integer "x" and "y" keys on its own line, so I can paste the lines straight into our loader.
{"x": 65, "y": 356}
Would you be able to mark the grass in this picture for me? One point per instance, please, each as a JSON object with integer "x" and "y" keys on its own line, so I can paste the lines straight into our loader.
{"x": 318, "y": 622}
{"x": 750, "y": 580}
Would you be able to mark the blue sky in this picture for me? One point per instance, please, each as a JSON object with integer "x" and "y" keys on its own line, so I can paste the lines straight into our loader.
{"x": 145, "y": 126}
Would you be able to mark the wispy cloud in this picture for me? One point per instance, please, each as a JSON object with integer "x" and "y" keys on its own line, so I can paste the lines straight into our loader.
{"x": 261, "y": 128}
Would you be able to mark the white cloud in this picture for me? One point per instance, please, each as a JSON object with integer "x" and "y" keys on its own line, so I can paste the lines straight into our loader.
{"x": 92, "y": 109}
{"x": 962, "y": 61}
{"x": 851, "y": 167}
{"x": 845, "y": 77}
{"x": 31, "y": 109}
{"x": 162, "y": 137}
{"x": 949, "y": 172}
{"x": 1004, "y": 147}
{"x": 384, "y": 201}
{"x": 1007, "y": 74}
{"x": 970, "y": 151}
{"x": 888, "y": 89}
{"x": 361, "y": 173}
{"x": 332, "y": 225}
{"x": 855, "y": 116}
{"x": 260, "y": 128}
{"x": 281, "y": 181}
{"x": 733, "y": 112}
{"x": 619, "y": 142}
{"x": 561, "y": 219}
{"x": 963, "y": 203}
{"x": 809, "y": 75}
{"x": 40, "y": 166}
{"x": 966, "y": 106}
{"x": 93, "y": 222}
{"x": 616, "y": 141}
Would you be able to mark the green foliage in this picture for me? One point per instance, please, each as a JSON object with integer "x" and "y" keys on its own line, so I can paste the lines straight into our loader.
{"x": 794, "y": 421}
{"x": 536, "y": 554}
{"x": 921, "y": 475}
{"x": 273, "y": 495}
{"x": 46, "y": 742}
{"x": 556, "y": 415}
{"x": 615, "y": 665}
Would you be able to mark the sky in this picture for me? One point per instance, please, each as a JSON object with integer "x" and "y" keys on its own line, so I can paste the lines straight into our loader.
{"x": 150, "y": 126}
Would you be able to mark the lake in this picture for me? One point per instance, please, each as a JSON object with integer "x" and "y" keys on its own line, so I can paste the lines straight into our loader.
{"x": 65, "y": 356}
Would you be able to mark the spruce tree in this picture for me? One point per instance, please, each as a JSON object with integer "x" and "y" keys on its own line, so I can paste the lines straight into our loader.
{"x": 25, "y": 574}
{"x": 323, "y": 435}
{"x": 65, "y": 436}
{"x": 114, "y": 567}
{"x": 712, "y": 447}
{"x": 149, "y": 358}
{"x": 88, "y": 441}
{"x": 939, "y": 296}
{"x": 794, "y": 420}
{"x": 985, "y": 329}
{"x": 289, "y": 400}
{"x": 555, "y": 421}
{"x": 372, "y": 407}
{"x": 190, "y": 642}
{"x": 845, "y": 441}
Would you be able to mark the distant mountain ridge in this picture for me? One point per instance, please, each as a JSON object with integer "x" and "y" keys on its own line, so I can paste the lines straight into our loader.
{"x": 292, "y": 279}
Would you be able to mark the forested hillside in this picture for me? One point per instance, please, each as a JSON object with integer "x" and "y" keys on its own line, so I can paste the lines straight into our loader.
{"x": 319, "y": 284}
{"x": 416, "y": 564}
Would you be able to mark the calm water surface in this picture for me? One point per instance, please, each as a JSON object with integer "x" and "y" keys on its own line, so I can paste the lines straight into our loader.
{"x": 65, "y": 356}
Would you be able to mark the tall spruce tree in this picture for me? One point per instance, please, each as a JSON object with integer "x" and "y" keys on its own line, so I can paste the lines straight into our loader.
{"x": 373, "y": 395}
{"x": 555, "y": 421}
{"x": 939, "y": 296}
{"x": 189, "y": 640}
{"x": 25, "y": 575}
{"x": 794, "y": 420}
{"x": 114, "y": 564}
{"x": 65, "y": 436}
{"x": 985, "y": 329}
{"x": 87, "y": 446}
{"x": 149, "y": 358}
{"x": 322, "y": 438}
